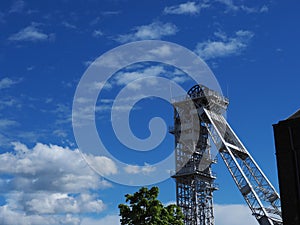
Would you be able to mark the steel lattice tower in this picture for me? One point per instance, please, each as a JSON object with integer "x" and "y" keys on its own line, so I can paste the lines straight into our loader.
{"x": 194, "y": 177}
{"x": 198, "y": 118}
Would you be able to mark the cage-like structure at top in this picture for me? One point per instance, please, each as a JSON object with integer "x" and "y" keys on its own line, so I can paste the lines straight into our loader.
{"x": 208, "y": 98}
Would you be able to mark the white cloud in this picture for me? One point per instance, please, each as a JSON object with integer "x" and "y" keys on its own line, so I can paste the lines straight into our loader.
{"x": 230, "y": 5}
{"x": 54, "y": 203}
{"x": 17, "y": 6}
{"x": 191, "y": 8}
{"x": 107, "y": 220}
{"x": 51, "y": 167}
{"x": 60, "y": 133}
{"x": 133, "y": 169}
{"x": 110, "y": 13}
{"x": 155, "y": 30}
{"x": 162, "y": 51}
{"x": 180, "y": 79}
{"x": 8, "y": 102}
{"x": 243, "y": 8}
{"x": 247, "y": 9}
{"x": 112, "y": 61}
{"x": 134, "y": 78}
{"x": 12, "y": 217}
{"x": 235, "y": 214}
{"x": 98, "y": 85}
{"x": 68, "y": 25}
{"x": 49, "y": 184}
{"x": 8, "y": 82}
{"x": 124, "y": 78}
{"x": 264, "y": 8}
{"x": 31, "y": 33}
{"x": 127, "y": 77}
{"x": 30, "y": 68}
{"x": 87, "y": 63}
{"x": 62, "y": 113}
{"x": 102, "y": 164}
{"x": 226, "y": 46}
{"x": 5, "y": 123}
{"x": 169, "y": 203}
{"x": 123, "y": 104}
{"x": 97, "y": 33}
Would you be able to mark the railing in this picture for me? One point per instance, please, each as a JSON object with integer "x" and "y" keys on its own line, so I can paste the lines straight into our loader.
{"x": 205, "y": 94}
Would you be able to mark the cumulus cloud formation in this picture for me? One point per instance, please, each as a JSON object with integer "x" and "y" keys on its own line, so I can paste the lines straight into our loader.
{"x": 31, "y": 33}
{"x": 225, "y": 46}
{"x": 48, "y": 208}
{"x": 190, "y": 8}
{"x": 155, "y": 30}
{"x": 49, "y": 184}
{"x": 51, "y": 167}
{"x": 54, "y": 203}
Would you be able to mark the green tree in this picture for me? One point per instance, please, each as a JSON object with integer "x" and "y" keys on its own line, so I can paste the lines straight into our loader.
{"x": 145, "y": 209}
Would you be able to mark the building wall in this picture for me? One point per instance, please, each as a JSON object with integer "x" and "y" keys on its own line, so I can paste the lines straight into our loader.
{"x": 287, "y": 142}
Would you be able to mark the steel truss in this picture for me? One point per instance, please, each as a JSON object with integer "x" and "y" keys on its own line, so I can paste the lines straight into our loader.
{"x": 258, "y": 192}
{"x": 194, "y": 178}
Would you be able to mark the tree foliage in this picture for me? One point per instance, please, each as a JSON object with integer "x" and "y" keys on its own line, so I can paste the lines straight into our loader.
{"x": 145, "y": 209}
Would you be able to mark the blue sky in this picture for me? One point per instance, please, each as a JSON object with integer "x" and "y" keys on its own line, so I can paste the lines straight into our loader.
{"x": 46, "y": 46}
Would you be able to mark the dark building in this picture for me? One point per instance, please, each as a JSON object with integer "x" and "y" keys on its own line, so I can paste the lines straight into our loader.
{"x": 287, "y": 142}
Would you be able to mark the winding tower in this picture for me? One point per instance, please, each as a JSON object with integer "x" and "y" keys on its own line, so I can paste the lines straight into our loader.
{"x": 198, "y": 123}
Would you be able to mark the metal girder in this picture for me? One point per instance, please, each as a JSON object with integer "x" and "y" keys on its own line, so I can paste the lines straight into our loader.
{"x": 208, "y": 106}
{"x": 194, "y": 184}
{"x": 256, "y": 189}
